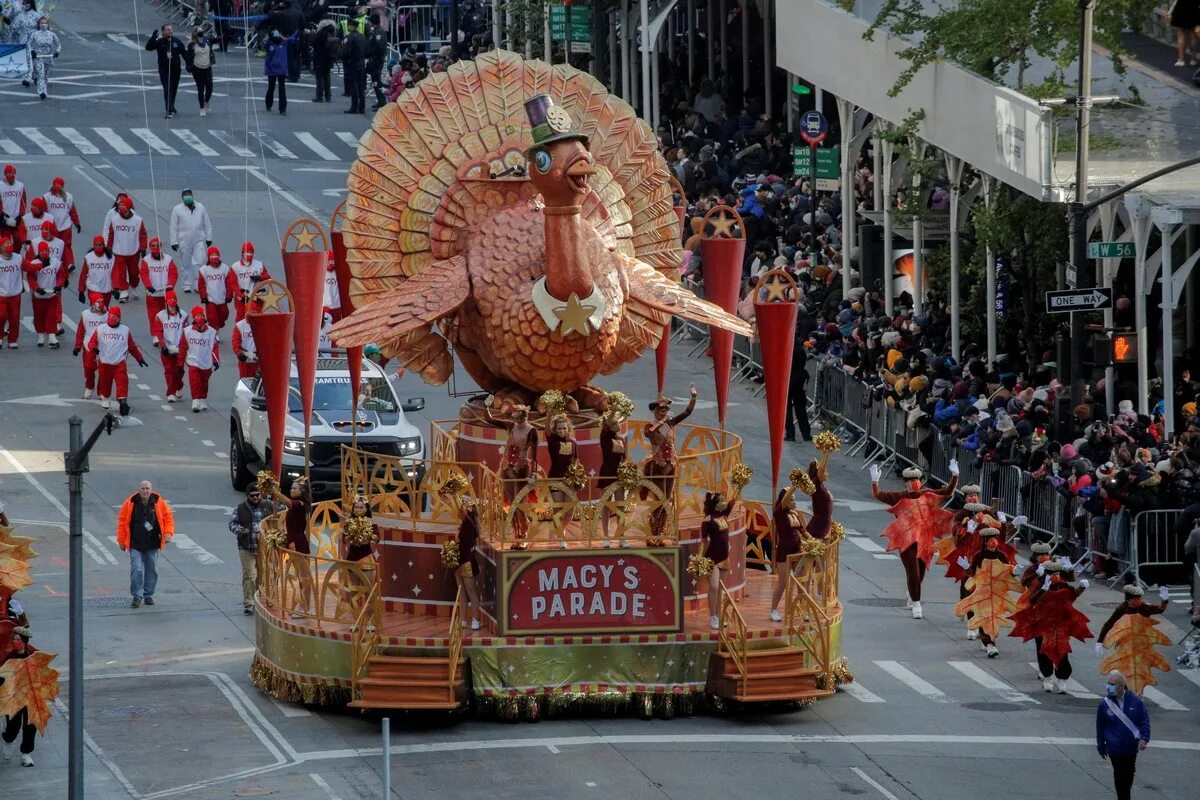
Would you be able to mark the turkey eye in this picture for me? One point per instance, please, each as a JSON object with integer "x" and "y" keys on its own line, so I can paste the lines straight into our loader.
{"x": 542, "y": 160}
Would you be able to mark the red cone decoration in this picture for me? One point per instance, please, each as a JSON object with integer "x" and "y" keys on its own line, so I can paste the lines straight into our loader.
{"x": 272, "y": 320}
{"x": 354, "y": 355}
{"x": 663, "y": 353}
{"x": 722, "y": 253}
{"x": 304, "y": 260}
{"x": 775, "y": 308}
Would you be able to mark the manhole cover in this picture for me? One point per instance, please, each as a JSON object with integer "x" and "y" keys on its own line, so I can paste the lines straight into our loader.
{"x": 878, "y": 602}
{"x": 994, "y": 706}
{"x": 106, "y": 602}
{"x": 127, "y": 711}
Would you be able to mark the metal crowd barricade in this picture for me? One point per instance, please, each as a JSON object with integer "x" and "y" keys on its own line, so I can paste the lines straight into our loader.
{"x": 1152, "y": 541}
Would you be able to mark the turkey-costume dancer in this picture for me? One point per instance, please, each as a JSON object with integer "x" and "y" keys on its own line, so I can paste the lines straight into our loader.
{"x": 714, "y": 532}
{"x": 1051, "y": 620}
{"x": 990, "y": 585}
{"x": 919, "y": 520}
{"x": 1131, "y": 635}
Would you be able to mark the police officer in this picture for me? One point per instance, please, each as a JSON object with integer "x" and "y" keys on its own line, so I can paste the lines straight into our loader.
{"x": 355, "y": 53}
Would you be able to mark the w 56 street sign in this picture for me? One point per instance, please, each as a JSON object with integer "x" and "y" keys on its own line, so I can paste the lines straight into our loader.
{"x": 1111, "y": 250}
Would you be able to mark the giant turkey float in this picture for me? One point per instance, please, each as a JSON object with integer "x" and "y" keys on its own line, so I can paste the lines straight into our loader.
{"x": 550, "y": 553}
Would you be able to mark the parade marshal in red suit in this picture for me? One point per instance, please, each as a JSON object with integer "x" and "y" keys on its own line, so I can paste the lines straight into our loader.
{"x": 12, "y": 285}
{"x": 919, "y": 520}
{"x": 167, "y": 330}
{"x": 199, "y": 349}
{"x": 159, "y": 275}
{"x": 96, "y": 274}
{"x": 47, "y": 277}
{"x": 13, "y": 202}
{"x": 247, "y": 272}
{"x": 126, "y": 239}
{"x": 90, "y": 320}
{"x": 217, "y": 287}
{"x": 112, "y": 344}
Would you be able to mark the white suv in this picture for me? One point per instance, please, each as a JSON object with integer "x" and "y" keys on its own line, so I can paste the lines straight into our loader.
{"x": 382, "y": 427}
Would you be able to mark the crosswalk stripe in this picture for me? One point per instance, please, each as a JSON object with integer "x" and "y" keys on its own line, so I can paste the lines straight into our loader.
{"x": 159, "y": 146}
{"x": 69, "y": 324}
{"x": 123, "y": 40}
{"x": 27, "y": 324}
{"x": 10, "y": 147}
{"x": 189, "y": 546}
{"x": 193, "y": 141}
{"x": 1073, "y": 687}
{"x": 78, "y": 141}
{"x": 274, "y": 146}
{"x": 311, "y": 143}
{"x": 861, "y": 693}
{"x": 864, "y": 543}
{"x": 989, "y": 681}
{"x": 348, "y": 138}
{"x": 913, "y": 681}
{"x": 1161, "y": 700}
{"x": 1192, "y": 675}
{"x": 224, "y": 138}
{"x": 41, "y": 140}
{"x": 113, "y": 138}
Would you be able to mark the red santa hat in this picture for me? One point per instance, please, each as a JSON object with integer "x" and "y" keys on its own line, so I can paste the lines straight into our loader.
{"x": 171, "y": 298}
{"x": 124, "y": 201}
{"x": 38, "y": 204}
{"x": 330, "y": 262}
{"x": 43, "y": 248}
{"x": 115, "y": 311}
{"x": 326, "y": 316}
{"x": 97, "y": 239}
{"x": 48, "y": 226}
{"x": 9, "y": 170}
{"x": 198, "y": 313}
{"x": 57, "y": 183}
{"x": 6, "y": 243}
{"x": 247, "y": 247}
{"x": 214, "y": 251}
{"x": 155, "y": 241}
{"x": 97, "y": 297}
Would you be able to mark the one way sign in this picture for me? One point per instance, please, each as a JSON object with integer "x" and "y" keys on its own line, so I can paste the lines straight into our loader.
{"x": 1078, "y": 300}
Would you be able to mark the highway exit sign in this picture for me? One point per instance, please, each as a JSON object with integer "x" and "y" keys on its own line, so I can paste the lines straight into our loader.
{"x": 1111, "y": 250}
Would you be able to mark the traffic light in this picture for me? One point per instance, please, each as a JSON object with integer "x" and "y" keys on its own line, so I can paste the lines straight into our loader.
{"x": 802, "y": 89}
{"x": 1124, "y": 348}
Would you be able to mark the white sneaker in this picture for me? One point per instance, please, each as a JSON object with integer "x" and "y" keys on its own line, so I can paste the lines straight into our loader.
{"x": 562, "y": 545}
{"x": 171, "y": 398}
{"x": 41, "y": 339}
{"x": 187, "y": 288}
{"x": 714, "y": 623}
{"x": 104, "y": 403}
{"x": 1181, "y": 63}
{"x": 1047, "y": 685}
{"x": 626, "y": 543}
{"x": 203, "y": 112}
{"x": 204, "y": 405}
{"x": 52, "y": 339}
{"x": 195, "y": 405}
{"x": 776, "y": 616}
{"x": 13, "y": 346}
{"x": 7, "y": 749}
{"x": 87, "y": 394}
{"x": 1059, "y": 688}
{"x": 909, "y": 604}
{"x": 992, "y": 651}
{"x": 474, "y": 624}
{"x": 972, "y": 634}
{"x": 136, "y": 294}
{"x": 26, "y": 760}
{"x": 916, "y": 610}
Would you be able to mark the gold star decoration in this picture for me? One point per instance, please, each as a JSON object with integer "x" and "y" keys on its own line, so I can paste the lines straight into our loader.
{"x": 723, "y": 226}
{"x": 272, "y": 294}
{"x": 776, "y": 287}
{"x": 304, "y": 234}
{"x": 574, "y": 316}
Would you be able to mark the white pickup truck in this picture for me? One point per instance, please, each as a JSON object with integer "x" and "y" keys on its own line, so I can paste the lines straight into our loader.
{"x": 382, "y": 426}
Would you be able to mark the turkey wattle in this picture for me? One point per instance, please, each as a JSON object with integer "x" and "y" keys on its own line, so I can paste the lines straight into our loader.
{"x": 537, "y": 282}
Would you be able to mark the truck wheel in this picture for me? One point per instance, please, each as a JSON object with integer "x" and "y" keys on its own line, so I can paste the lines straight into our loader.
{"x": 239, "y": 473}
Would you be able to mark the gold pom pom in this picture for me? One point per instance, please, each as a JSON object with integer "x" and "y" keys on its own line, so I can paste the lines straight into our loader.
{"x": 455, "y": 484}
{"x": 585, "y": 512}
{"x": 267, "y": 483}
{"x": 741, "y": 475}
{"x": 450, "y": 554}
{"x": 799, "y": 478}
{"x": 837, "y": 532}
{"x": 576, "y": 477}
{"x": 812, "y": 547}
{"x": 619, "y": 405}
{"x": 827, "y": 442}
{"x": 552, "y": 403}
{"x": 274, "y": 538}
{"x": 358, "y": 531}
{"x": 699, "y": 566}
{"x": 628, "y": 474}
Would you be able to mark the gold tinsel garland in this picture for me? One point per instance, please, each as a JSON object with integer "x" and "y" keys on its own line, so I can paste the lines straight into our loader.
{"x": 599, "y": 704}
{"x": 267, "y": 483}
{"x": 700, "y": 566}
{"x": 274, "y": 538}
{"x": 740, "y": 475}
{"x": 812, "y": 547}
{"x": 839, "y": 673}
{"x": 450, "y": 554}
{"x": 837, "y": 532}
{"x": 628, "y": 475}
{"x": 358, "y": 531}
{"x": 286, "y": 690}
{"x": 543, "y": 514}
{"x": 619, "y": 405}
{"x": 552, "y": 403}
{"x": 585, "y": 512}
{"x": 799, "y": 478}
{"x": 454, "y": 484}
{"x": 827, "y": 442}
{"x": 576, "y": 477}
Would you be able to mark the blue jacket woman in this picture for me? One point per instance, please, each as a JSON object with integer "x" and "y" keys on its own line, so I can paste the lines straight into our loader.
{"x": 276, "y": 63}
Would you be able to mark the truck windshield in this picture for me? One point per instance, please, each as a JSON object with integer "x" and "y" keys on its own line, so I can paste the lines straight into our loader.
{"x": 332, "y": 393}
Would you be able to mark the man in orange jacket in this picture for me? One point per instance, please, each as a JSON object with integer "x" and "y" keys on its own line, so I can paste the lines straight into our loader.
{"x": 145, "y": 524}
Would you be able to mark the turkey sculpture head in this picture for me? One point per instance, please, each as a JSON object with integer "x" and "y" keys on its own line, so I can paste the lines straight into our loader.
{"x": 481, "y": 218}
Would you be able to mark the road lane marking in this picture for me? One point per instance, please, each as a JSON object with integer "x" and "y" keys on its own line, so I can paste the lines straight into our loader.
{"x": 124, "y": 41}
{"x": 348, "y": 138}
{"x": 1073, "y": 687}
{"x": 310, "y": 141}
{"x": 1192, "y": 675}
{"x": 1161, "y": 700}
{"x": 319, "y": 781}
{"x": 193, "y": 141}
{"x": 874, "y": 784}
{"x": 219, "y": 454}
{"x": 11, "y": 148}
{"x": 187, "y": 545}
{"x": 290, "y": 711}
{"x": 865, "y": 544}
{"x": 145, "y": 387}
{"x": 158, "y": 145}
{"x": 78, "y": 140}
{"x": 861, "y": 693}
{"x": 224, "y": 138}
{"x": 553, "y": 749}
{"x": 166, "y": 407}
{"x": 913, "y": 681}
{"x": 274, "y": 145}
{"x": 27, "y": 324}
{"x": 989, "y": 681}
{"x": 115, "y": 141}
{"x": 275, "y": 187}
{"x": 886, "y": 556}
{"x": 155, "y": 398}
{"x": 87, "y": 548}
{"x": 208, "y": 443}
{"x": 41, "y": 140}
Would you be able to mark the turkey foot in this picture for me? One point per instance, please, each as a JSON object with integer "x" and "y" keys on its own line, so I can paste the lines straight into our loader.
{"x": 508, "y": 398}
{"x": 591, "y": 397}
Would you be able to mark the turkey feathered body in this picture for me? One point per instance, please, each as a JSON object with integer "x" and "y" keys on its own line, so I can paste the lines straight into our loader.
{"x": 498, "y": 333}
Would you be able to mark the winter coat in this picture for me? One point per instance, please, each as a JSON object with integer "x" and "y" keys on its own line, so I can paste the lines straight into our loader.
{"x": 166, "y": 520}
{"x": 170, "y": 52}
{"x": 275, "y": 65}
{"x": 1113, "y": 738}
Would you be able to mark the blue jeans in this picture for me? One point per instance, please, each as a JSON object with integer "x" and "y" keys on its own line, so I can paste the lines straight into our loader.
{"x": 143, "y": 572}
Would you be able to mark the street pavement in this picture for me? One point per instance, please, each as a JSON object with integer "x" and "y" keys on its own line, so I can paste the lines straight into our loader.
{"x": 170, "y": 708}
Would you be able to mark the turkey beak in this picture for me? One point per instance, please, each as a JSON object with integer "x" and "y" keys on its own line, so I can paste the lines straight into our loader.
{"x": 579, "y": 172}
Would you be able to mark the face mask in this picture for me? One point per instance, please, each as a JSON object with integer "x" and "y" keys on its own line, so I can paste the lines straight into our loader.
{"x": 189, "y": 201}
{"x": 992, "y": 545}
{"x": 113, "y": 321}
{"x": 1110, "y": 689}
{"x": 914, "y": 486}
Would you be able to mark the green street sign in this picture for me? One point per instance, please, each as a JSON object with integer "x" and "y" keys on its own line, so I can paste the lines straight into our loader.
{"x": 1111, "y": 250}
{"x": 581, "y": 22}
{"x": 828, "y": 162}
